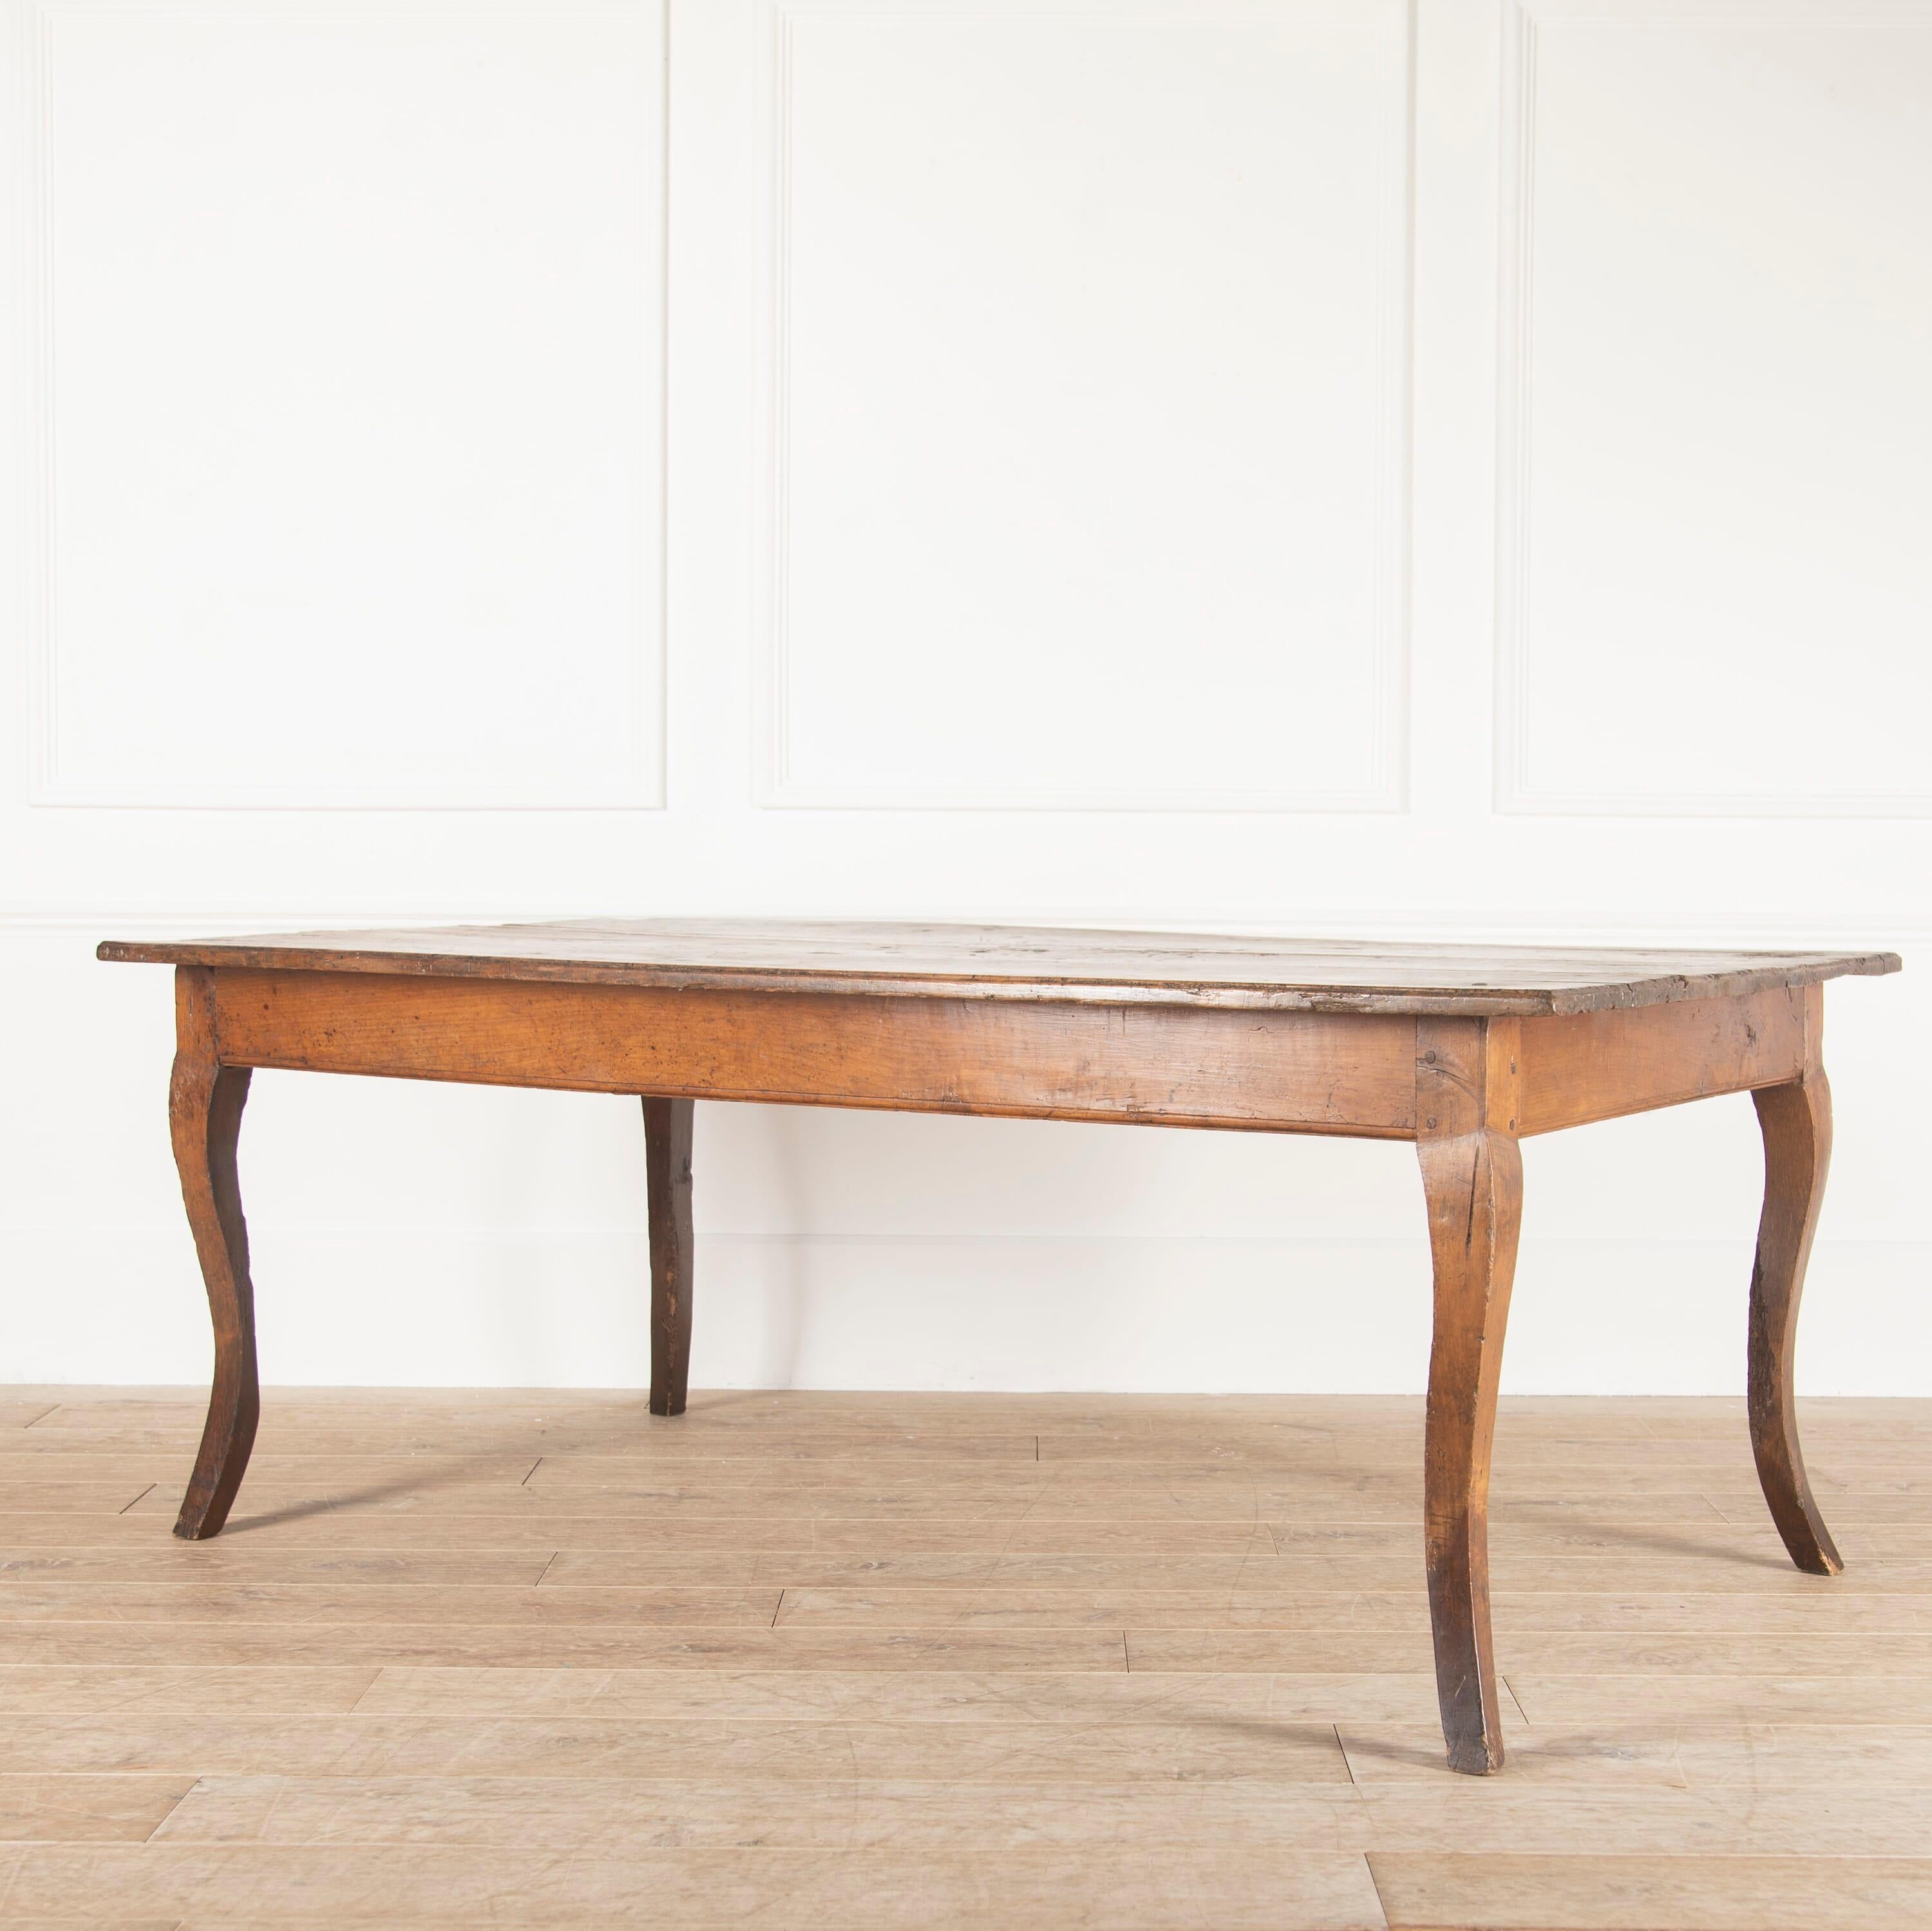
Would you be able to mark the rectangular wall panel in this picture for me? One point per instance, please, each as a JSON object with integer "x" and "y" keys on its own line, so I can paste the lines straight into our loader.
{"x": 1087, "y": 456}
{"x": 349, "y": 374}
{"x": 1714, "y": 586}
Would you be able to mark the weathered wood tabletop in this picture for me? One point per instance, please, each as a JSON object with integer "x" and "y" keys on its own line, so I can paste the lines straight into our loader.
{"x": 1465, "y": 1050}
{"x": 1025, "y": 962}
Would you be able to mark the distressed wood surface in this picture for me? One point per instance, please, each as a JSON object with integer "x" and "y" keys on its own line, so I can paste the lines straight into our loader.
{"x": 1598, "y": 1066}
{"x": 1796, "y": 1117}
{"x": 1304, "y": 1072}
{"x": 1465, "y": 1103}
{"x": 319, "y": 1720}
{"x": 204, "y": 1103}
{"x": 1027, "y": 962}
{"x": 667, "y": 1125}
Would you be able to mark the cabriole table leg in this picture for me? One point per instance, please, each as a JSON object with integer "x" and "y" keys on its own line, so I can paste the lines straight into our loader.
{"x": 1797, "y": 1122}
{"x": 1472, "y": 1180}
{"x": 204, "y": 1103}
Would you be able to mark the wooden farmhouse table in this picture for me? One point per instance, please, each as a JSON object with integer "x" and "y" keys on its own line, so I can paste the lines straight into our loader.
{"x": 1461, "y": 1050}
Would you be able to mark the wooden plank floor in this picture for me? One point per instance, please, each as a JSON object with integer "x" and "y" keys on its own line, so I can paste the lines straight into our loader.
{"x": 873, "y": 1661}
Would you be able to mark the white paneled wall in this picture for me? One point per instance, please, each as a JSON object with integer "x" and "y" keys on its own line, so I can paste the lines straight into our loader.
{"x": 1449, "y": 471}
{"x": 348, "y": 391}
{"x": 1718, "y": 396}
{"x": 1087, "y": 357}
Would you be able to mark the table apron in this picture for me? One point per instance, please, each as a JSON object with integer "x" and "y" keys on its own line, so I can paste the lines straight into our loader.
{"x": 1308, "y": 1073}
{"x": 1597, "y": 1066}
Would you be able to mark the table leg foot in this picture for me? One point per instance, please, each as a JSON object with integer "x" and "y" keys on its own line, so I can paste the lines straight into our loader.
{"x": 1796, "y": 1119}
{"x": 667, "y": 1171}
{"x": 204, "y": 1103}
{"x": 1473, "y": 1185}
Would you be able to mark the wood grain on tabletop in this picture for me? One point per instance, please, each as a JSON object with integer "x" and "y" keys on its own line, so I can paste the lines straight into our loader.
{"x": 1010, "y": 962}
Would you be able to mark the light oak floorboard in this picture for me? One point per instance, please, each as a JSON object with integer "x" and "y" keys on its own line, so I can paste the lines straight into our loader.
{"x": 30, "y": 1689}
{"x": 989, "y": 1747}
{"x": 95, "y": 1922}
{"x": 452, "y": 1645}
{"x": 258, "y": 1533}
{"x": 645, "y": 1440}
{"x": 816, "y": 1652}
{"x": 349, "y": 1473}
{"x": 87, "y": 1809}
{"x": 1830, "y": 1613}
{"x": 934, "y": 1696}
{"x": 620, "y": 1569}
{"x": 1682, "y": 1893}
{"x": 1906, "y": 1505}
{"x": 29, "y": 1497}
{"x": 1753, "y": 1543}
{"x": 49, "y": 1614}
{"x": 1531, "y": 1655}
{"x": 1875, "y": 1699}
{"x": 139, "y": 1554}
{"x": 1522, "y": 1571}
{"x": 1558, "y": 1469}
{"x": 60, "y": 1600}
{"x": 560, "y": 1813}
{"x": 1129, "y": 1889}
{"x": 1825, "y": 1759}
{"x": 999, "y": 1607}
{"x": 1140, "y": 1509}
{"x": 631, "y": 1452}
{"x": 804, "y": 1652}
{"x": 564, "y": 1813}
{"x": 723, "y": 1411}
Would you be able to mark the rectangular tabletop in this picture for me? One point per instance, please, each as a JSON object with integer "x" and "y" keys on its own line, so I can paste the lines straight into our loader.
{"x": 1015, "y": 962}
